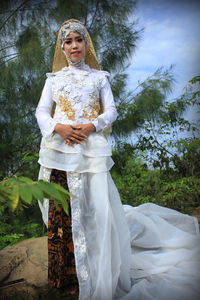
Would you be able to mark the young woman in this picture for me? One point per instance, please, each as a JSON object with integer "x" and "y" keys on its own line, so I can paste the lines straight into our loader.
{"x": 106, "y": 250}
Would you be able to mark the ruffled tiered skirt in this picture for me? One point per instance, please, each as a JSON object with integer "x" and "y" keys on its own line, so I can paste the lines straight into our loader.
{"x": 121, "y": 252}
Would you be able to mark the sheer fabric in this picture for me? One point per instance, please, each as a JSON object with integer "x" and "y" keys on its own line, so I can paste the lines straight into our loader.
{"x": 123, "y": 252}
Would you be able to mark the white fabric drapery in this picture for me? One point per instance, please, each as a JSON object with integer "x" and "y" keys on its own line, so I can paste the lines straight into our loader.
{"x": 123, "y": 252}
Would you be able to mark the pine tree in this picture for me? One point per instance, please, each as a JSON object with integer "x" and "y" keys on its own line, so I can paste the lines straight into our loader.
{"x": 28, "y": 36}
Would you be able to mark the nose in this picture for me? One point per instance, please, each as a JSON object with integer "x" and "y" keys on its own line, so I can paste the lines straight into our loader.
{"x": 74, "y": 44}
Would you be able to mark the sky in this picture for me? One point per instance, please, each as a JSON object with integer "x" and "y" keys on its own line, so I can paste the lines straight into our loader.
{"x": 171, "y": 36}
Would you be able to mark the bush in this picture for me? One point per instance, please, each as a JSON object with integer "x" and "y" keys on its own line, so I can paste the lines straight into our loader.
{"x": 137, "y": 184}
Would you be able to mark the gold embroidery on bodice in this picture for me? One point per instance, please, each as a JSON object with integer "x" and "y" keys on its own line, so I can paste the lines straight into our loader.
{"x": 65, "y": 105}
{"x": 91, "y": 109}
{"x": 92, "y": 112}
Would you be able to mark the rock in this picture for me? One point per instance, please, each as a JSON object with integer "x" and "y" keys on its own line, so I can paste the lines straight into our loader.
{"x": 10, "y": 259}
{"x": 24, "y": 272}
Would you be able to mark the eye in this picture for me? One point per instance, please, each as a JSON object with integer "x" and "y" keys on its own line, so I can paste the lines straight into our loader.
{"x": 67, "y": 42}
{"x": 80, "y": 40}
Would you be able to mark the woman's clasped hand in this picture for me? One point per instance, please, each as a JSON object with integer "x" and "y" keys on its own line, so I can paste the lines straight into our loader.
{"x": 74, "y": 134}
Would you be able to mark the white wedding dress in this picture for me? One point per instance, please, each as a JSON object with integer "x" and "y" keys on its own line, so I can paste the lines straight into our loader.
{"x": 122, "y": 252}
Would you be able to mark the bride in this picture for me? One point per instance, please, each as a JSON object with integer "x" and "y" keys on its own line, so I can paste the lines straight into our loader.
{"x": 103, "y": 249}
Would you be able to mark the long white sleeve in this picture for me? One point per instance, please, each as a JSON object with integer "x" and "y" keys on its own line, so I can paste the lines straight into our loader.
{"x": 109, "y": 114}
{"x": 43, "y": 111}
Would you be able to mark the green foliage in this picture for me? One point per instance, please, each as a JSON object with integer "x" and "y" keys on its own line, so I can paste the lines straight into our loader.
{"x": 175, "y": 180}
{"x": 26, "y": 190}
{"x": 19, "y": 224}
{"x": 172, "y": 140}
{"x": 195, "y": 95}
{"x": 16, "y": 231}
{"x": 19, "y": 218}
{"x": 137, "y": 184}
{"x": 182, "y": 194}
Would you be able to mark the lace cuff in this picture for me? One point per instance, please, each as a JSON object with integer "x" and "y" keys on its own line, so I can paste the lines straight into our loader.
{"x": 100, "y": 124}
{"x": 48, "y": 131}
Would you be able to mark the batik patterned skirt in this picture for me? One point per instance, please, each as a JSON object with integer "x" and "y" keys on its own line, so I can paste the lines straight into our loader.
{"x": 61, "y": 261}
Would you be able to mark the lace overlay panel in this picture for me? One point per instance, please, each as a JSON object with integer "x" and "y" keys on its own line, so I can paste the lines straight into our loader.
{"x": 75, "y": 183}
{"x": 45, "y": 174}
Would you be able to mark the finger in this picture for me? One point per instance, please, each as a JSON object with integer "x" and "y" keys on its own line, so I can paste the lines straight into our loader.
{"x": 69, "y": 143}
{"x": 75, "y": 140}
{"x": 79, "y": 136}
{"x": 76, "y": 127}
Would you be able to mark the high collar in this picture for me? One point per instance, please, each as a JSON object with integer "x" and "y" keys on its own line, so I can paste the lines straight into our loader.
{"x": 74, "y": 69}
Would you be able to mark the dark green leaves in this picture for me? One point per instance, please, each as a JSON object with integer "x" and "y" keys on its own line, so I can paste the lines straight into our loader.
{"x": 23, "y": 189}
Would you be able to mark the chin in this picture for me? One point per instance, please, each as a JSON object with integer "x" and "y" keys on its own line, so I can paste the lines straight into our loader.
{"x": 76, "y": 60}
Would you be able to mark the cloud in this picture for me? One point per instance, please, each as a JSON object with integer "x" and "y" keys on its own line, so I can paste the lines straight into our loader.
{"x": 171, "y": 36}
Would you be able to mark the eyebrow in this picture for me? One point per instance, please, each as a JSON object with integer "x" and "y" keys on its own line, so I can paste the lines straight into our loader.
{"x": 76, "y": 37}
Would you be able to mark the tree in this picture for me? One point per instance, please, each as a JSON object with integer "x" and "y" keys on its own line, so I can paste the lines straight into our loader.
{"x": 172, "y": 138}
{"x": 143, "y": 103}
{"x": 29, "y": 30}
{"x": 170, "y": 145}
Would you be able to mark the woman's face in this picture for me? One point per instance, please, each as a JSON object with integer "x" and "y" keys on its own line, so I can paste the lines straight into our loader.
{"x": 75, "y": 47}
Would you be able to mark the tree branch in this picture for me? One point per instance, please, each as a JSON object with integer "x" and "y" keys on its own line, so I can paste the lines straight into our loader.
{"x": 9, "y": 55}
{"x": 94, "y": 16}
{"x": 7, "y": 47}
{"x": 8, "y": 60}
{"x": 10, "y": 16}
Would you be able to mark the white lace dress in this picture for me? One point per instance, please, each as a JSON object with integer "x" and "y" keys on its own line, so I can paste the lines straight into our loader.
{"x": 122, "y": 252}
